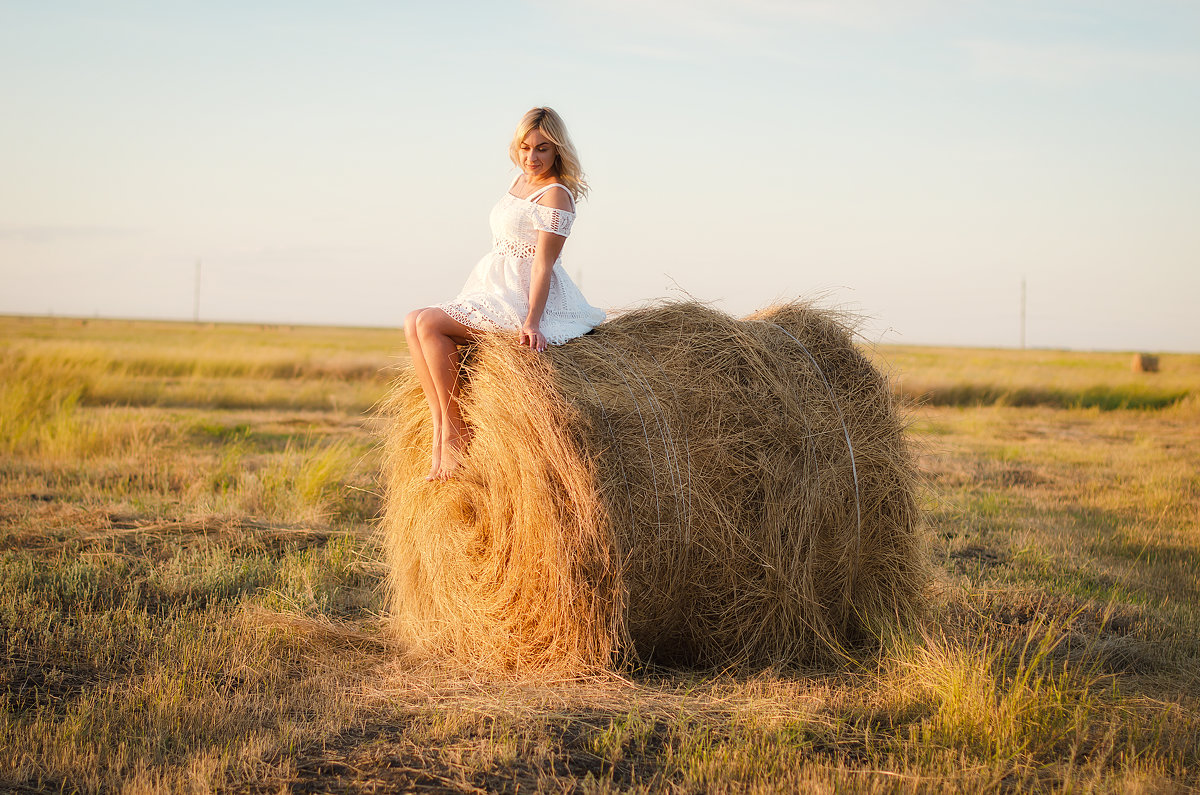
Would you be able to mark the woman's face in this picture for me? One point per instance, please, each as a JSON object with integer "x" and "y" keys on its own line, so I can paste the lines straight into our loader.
{"x": 538, "y": 155}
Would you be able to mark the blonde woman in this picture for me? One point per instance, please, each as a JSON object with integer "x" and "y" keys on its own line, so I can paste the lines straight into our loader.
{"x": 519, "y": 286}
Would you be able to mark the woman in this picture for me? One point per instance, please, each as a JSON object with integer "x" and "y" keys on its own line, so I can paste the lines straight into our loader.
{"x": 519, "y": 286}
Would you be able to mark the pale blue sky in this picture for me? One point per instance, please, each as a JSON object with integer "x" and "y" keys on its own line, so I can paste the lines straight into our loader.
{"x": 335, "y": 162}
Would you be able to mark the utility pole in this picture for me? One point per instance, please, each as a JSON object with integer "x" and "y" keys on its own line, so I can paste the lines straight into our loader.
{"x": 196, "y": 296}
{"x": 1022, "y": 312}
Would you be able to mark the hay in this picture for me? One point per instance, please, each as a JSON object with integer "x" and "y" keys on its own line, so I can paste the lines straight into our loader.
{"x": 678, "y": 486}
{"x": 1144, "y": 363}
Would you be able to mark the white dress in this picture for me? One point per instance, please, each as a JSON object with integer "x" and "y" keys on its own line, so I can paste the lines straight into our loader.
{"x": 496, "y": 295}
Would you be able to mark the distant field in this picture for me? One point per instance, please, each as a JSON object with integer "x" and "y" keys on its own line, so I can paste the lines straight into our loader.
{"x": 249, "y": 366}
{"x": 189, "y": 591}
{"x": 1062, "y": 379}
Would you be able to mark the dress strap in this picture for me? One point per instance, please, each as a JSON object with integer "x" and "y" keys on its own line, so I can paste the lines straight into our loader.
{"x": 537, "y": 194}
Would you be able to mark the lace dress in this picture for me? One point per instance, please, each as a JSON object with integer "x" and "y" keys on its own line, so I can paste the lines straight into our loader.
{"x": 496, "y": 295}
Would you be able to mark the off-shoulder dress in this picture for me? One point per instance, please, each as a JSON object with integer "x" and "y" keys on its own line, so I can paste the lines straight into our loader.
{"x": 496, "y": 294}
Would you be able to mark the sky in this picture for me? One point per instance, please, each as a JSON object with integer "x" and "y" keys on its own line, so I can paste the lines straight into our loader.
{"x": 912, "y": 161}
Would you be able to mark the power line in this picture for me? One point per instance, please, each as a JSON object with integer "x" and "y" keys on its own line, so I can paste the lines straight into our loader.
{"x": 1022, "y": 312}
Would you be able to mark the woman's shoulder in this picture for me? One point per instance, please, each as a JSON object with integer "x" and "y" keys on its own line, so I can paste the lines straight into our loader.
{"x": 558, "y": 197}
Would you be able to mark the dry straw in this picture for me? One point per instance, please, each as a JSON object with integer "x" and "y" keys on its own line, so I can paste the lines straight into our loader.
{"x": 678, "y": 486}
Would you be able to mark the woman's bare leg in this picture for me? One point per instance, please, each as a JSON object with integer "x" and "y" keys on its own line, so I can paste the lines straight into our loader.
{"x": 440, "y": 335}
{"x": 421, "y": 366}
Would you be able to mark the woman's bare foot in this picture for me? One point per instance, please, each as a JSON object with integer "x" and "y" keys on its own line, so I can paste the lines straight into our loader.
{"x": 454, "y": 448}
{"x": 437, "y": 455}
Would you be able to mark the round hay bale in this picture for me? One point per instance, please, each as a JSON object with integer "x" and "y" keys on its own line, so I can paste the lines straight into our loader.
{"x": 1145, "y": 363}
{"x": 677, "y": 486}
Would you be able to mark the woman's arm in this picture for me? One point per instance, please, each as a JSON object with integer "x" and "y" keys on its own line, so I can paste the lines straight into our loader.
{"x": 549, "y": 246}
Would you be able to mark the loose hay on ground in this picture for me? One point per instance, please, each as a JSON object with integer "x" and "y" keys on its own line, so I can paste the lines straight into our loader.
{"x": 678, "y": 485}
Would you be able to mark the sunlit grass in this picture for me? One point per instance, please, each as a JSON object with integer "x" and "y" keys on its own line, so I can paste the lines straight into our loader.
{"x": 189, "y": 594}
{"x": 1062, "y": 379}
{"x": 179, "y": 364}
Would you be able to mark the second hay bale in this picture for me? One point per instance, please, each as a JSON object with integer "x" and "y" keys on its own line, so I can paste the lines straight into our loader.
{"x": 679, "y": 485}
{"x": 1144, "y": 363}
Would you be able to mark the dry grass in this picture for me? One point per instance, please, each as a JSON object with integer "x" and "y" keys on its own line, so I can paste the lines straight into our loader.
{"x": 1059, "y": 379}
{"x": 161, "y": 635}
{"x": 107, "y": 363}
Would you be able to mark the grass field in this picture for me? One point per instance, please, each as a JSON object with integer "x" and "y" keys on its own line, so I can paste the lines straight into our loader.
{"x": 189, "y": 592}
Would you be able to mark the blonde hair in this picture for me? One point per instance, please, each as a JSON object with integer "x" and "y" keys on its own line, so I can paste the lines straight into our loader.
{"x": 551, "y": 125}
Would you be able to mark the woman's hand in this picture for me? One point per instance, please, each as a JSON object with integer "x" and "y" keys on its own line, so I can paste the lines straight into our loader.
{"x": 531, "y": 336}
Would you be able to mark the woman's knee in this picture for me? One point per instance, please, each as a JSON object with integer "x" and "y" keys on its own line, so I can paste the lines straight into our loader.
{"x": 429, "y": 323}
{"x": 410, "y": 323}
